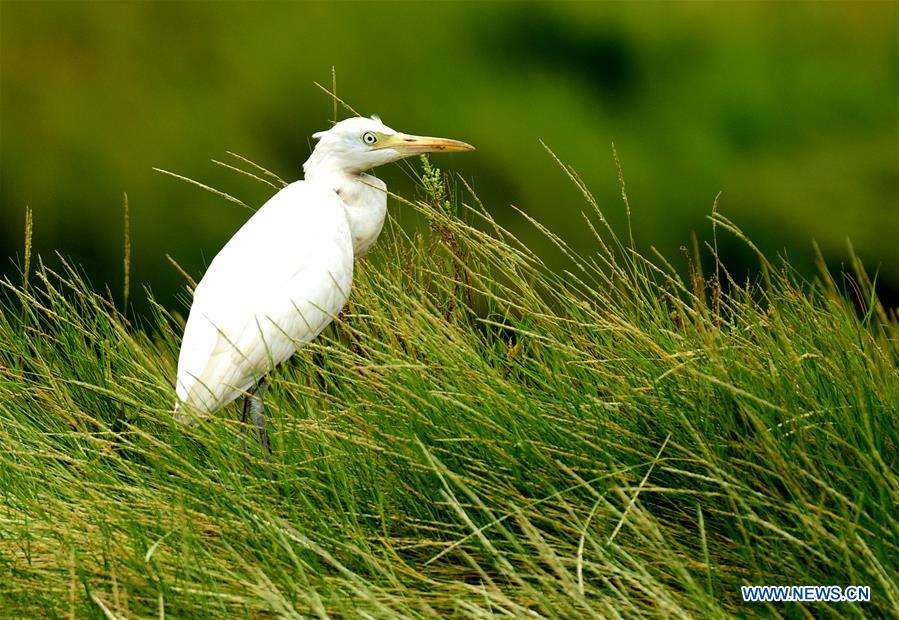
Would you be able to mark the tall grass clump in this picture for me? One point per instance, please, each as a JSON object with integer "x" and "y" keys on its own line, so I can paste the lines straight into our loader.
{"x": 477, "y": 435}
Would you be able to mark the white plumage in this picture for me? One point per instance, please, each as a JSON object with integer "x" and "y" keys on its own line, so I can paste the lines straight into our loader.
{"x": 273, "y": 287}
{"x": 288, "y": 271}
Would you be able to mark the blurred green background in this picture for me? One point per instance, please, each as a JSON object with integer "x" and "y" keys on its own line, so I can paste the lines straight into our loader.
{"x": 790, "y": 109}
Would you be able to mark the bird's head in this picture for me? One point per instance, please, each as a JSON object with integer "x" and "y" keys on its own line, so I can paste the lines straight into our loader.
{"x": 356, "y": 144}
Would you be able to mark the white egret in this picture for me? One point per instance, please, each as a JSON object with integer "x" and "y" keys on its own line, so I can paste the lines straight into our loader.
{"x": 284, "y": 276}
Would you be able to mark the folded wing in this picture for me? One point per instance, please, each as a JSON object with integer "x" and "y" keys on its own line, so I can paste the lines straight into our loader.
{"x": 274, "y": 286}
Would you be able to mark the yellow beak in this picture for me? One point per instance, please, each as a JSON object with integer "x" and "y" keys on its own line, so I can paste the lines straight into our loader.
{"x": 414, "y": 145}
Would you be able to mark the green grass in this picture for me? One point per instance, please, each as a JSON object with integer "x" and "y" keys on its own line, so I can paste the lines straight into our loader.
{"x": 475, "y": 436}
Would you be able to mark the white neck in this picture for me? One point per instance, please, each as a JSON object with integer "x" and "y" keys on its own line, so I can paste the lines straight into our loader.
{"x": 324, "y": 162}
{"x": 364, "y": 198}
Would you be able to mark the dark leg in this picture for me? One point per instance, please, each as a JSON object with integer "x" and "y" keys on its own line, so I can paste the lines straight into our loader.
{"x": 245, "y": 409}
{"x": 253, "y": 408}
{"x": 257, "y": 414}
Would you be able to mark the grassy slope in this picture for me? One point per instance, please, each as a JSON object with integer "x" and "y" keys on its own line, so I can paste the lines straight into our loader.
{"x": 610, "y": 441}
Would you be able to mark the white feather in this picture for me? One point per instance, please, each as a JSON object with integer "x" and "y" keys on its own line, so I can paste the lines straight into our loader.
{"x": 275, "y": 285}
{"x": 287, "y": 272}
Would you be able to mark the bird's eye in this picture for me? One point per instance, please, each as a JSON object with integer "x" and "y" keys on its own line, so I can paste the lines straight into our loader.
{"x": 369, "y": 138}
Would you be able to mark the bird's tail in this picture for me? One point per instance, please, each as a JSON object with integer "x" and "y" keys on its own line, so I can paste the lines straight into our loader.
{"x": 185, "y": 416}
